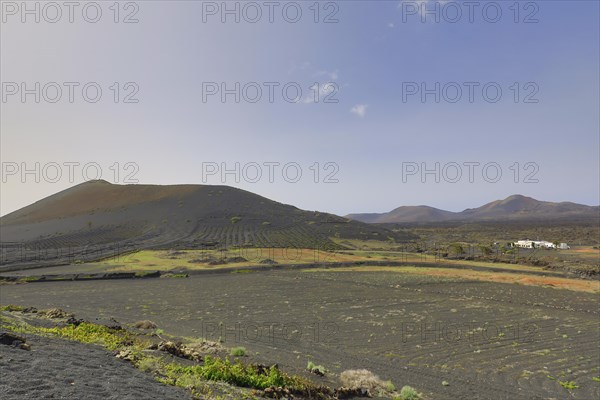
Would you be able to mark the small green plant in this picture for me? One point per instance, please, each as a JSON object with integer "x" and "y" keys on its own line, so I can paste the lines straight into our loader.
{"x": 238, "y": 351}
{"x": 409, "y": 393}
{"x": 235, "y": 220}
{"x": 389, "y": 386}
{"x": 570, "y": 385}
{"x": 596, "y": 378}
{"x": 316, "y": 369}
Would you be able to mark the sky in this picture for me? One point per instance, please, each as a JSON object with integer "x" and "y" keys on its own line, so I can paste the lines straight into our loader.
{"x": 336, "y": 106}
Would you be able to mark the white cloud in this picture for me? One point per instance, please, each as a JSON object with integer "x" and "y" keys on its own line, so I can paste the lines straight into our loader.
{"x": 318, "y": 92}
{"x": 333, "y": 75}
{"x": 326, "y": 89}
{"x": 360, "y": 110}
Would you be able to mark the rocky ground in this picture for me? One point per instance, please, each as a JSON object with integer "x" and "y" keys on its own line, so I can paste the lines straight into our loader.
{"x": 59, "y": 369}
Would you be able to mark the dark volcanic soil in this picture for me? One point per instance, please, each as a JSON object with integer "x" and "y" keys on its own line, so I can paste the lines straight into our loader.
{"x": 485, "y": 340}
{"x": 61, "y": 369}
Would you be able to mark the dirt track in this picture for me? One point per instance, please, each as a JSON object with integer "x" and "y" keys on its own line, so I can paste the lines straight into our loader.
{"x": 486, "y": 340}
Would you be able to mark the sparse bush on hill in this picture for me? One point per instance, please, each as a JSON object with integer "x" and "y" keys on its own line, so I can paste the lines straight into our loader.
{"x": 238, "y": 351}
{"x": 456, "y": 248}
{"x": 365, "y": 379}
{"x": 408, "y": 393}
{"x": 485, "y": 250}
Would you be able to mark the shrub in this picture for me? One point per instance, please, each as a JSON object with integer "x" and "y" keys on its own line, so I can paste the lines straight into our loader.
{"x": 389, "y": 386}
{"x": 238, "y": 351}
{"x": 316, "y": 369}
{"x": 456, "y": 248}
{"x": 363, "y": 379}
{"x": 408, "y": 393}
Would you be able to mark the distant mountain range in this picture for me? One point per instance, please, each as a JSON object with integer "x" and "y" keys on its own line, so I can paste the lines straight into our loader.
{"x": 516, "y": 207}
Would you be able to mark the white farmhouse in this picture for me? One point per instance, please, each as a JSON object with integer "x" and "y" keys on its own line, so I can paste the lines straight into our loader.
{"x": 537, "y": 244}
{"x": 526, "y": 244}
{"x": 542, "y": 244}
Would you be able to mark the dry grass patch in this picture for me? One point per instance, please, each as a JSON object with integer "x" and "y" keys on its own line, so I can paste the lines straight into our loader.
{"x": 365, "y": 379}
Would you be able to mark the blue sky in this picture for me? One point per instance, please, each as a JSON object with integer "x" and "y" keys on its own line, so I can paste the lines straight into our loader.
{"x": 374, "y": 50}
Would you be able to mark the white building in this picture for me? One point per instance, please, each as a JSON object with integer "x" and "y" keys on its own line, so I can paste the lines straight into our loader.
{"x": 537, "y": 244}
{"x": 526, "y": 244}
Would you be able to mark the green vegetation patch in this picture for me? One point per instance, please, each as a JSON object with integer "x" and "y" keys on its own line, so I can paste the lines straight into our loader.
{"x": 131, "y": 346}
{"x": 85, "y": 332}
{"x": 239, "y": 374}
{"x": 238, "y": 351}
{"x": 316, "y": 369}
{"x": 408, "y": 393}
{"x": 570, "y": 385}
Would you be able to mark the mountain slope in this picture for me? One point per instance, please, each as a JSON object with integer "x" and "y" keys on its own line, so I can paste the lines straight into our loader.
{"x": 512, "y": 208}
{"x": 123, "y": 217}
{"x": 405, "y": 214}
